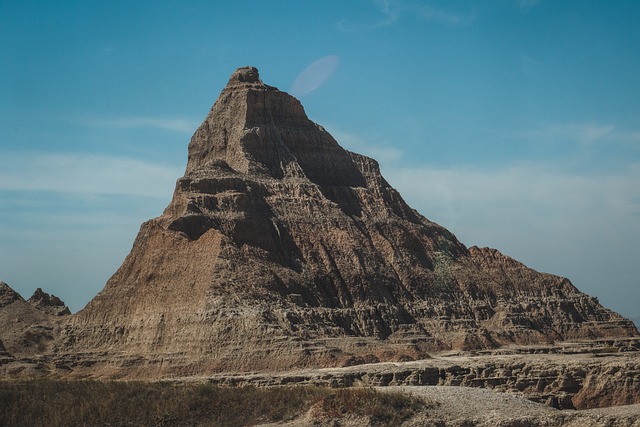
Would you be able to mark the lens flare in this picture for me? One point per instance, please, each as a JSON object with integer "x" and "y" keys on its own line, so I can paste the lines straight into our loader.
{"x": 312, "y": 77}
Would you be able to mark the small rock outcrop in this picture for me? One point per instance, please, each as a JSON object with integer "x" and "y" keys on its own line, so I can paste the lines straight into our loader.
{"x": 48, "y": 303}
{"x": 280, "y": 248}
{"x": 8, "y": 295}
{"x": 25, "y": 330}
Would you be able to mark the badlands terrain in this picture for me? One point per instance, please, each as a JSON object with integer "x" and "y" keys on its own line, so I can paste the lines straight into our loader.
{"x": 285, "y": 260}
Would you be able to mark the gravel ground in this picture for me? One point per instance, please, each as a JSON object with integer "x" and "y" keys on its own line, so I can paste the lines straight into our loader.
{"x": 467, "y": 407}
{"x": 467, "y": 403}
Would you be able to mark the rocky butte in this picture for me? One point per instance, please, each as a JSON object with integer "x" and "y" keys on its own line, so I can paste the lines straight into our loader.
{"x": 281, "y": 250}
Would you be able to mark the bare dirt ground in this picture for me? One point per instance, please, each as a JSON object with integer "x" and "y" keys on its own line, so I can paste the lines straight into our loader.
{"x": 470, "y": 407}
{"x": 464, "y": 406}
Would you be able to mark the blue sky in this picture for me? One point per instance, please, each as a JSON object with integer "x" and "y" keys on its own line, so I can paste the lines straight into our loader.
{"x": 514, "y": 123}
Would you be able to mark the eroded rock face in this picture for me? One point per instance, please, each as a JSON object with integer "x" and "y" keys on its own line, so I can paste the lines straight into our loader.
{"x": 280, "y": 249}
{"x": 8, "y": 295}
{"x": 583, "y": 375}
{"x": 25, "y": 330}
{"x": 48, "y": 303}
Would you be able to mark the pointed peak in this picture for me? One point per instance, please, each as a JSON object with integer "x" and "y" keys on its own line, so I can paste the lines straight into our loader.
{"x": 8, "y": 295}
{"x": 246, "y": 74}
{"x": 245, "y": 77}
{"x": 48, "y": 303}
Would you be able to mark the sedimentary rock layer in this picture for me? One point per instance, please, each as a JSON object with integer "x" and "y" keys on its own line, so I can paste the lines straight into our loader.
{"x": 280, "y": 248}
{"x": 576, "y": 376}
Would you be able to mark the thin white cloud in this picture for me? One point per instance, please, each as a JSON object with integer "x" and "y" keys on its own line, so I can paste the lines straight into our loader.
{"x": 79, "y": 210}
{"x": 586, "y": 133}
{"x": 526, "y": 5}
{"x": 352, "y": 142}
{"x": 173, "y": 124}
{"x": 532, "y": 191}
{"x": 548, "y": 189}
{"x": 433, "y": 14}
{"x": 389, "y": 10}
{"x": 392, "y": 11}
{"x": 86, "y": 174}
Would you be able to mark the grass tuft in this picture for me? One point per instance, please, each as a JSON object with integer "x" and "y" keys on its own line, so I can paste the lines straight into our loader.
{"x": 383, "y": 408}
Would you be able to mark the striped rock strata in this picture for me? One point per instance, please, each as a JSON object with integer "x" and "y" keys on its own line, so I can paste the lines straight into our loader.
{"x": 280, "y": 248}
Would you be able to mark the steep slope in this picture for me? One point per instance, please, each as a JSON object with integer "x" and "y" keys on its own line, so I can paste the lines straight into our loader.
{"x": 280, "y": 248}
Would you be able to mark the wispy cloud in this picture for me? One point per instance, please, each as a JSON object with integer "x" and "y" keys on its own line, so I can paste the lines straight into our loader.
{"x": 530, "y": 192}
{"x": 443, "y": 16}
{"x": 353, "y": 142}
{"x": 526, "y": 5}
{"x": 85, "y": 173}
{"x": 69, "y": 219}
{"x": 173, "y": 124}
{"x": 392, "y": 11}
{"x": 584, "y": 133}
{"x": 540, "y": 194}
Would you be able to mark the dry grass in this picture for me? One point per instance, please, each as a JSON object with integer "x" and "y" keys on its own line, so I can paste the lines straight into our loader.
{"x": 118, "y": 403}
{"x": 389, "y": 408}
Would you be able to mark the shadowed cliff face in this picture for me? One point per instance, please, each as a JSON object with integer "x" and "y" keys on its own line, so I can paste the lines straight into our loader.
{"x": 279, "y": 242}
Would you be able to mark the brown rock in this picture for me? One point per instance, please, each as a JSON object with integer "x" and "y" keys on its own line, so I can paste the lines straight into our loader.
{"x": 50, "y": 304}
{"x": 582, "y": 379}
{"x": 8, "y": 295}
{"x": 25, "y": 330}
{"x": 282, "y": 249}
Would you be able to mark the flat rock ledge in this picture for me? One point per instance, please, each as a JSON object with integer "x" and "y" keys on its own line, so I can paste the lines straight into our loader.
{"x": 569, "y": 380}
